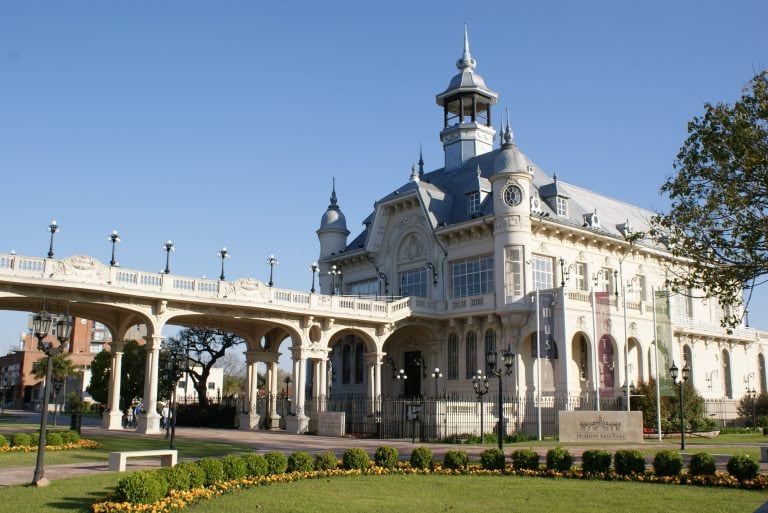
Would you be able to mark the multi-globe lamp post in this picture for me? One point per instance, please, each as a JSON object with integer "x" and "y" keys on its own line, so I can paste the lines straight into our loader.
{"x": 480, "y": 384}
{"x": 175, "y": 366}
{"x": 491, "y": 359}
{"x": 272, "y": 261}
{"x": 334, "y": 272}
{"x": 114, "y": 238}
{"x": 223, "y": 254}
{"x": 436, "y": 375}
{"x": 168, "y": 247}
{"x": 54, "y": 229}
{"x": 673, "y": 373}
{"x": 313, "y": 269}
{"x": 41, "y": 327}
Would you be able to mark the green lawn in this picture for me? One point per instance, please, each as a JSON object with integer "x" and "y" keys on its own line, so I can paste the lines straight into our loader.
{"x": 480, "y": 494}
{"x": 73, "y": 495}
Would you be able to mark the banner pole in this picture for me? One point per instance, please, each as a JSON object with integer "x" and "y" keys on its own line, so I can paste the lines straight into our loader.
{"x": 538, "y": 364}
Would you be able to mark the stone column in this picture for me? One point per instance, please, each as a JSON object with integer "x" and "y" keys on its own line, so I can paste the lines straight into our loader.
{"x": 149, "y": 420}
{"x": 273, "y": 389}
{"x": 322, "y": 378}
{"x": 250, "y": 420}
{"x": 299, "y": 422}
{"x": 114, "y": 419}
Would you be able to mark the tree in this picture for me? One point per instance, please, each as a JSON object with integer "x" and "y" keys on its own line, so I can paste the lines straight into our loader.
{"x": 719, "y": 200}
{"x": 62, "y": 369}
{"x": 644, "y": 399}
{"x": 204, "y": 348}
{"x": 132, "y": 380}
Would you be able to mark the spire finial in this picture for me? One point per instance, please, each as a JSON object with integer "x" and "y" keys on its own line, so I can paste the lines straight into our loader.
{"x": 333, "y": 204}
{"x": 466, "y": 60}
{"x": 506, "y": 138}
{"x": 421, "y": 162}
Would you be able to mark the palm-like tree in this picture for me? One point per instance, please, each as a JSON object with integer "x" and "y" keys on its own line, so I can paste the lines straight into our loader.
{"x": 63, "y": 368}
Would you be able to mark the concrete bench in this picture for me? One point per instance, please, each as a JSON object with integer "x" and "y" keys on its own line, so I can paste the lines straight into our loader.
{"x": 118, "y": 460}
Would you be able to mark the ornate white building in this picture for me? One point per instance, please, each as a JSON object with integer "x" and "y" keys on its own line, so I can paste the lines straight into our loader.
{"x": 472, "y": 242}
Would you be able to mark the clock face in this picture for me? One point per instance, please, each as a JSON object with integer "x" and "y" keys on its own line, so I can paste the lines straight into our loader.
{"x": 513, "y": 196}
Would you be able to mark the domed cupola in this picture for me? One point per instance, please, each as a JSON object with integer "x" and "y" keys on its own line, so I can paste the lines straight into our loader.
{"x": 509, "y": 159}
{"x": 333, "y": 230}
{"x": 467, "y": 130}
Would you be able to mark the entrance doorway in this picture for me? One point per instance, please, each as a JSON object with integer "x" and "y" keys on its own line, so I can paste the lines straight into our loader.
{"x": 413, "y": 366}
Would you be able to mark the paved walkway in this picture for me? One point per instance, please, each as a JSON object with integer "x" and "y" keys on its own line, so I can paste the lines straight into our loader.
{"x": 264, "y": 441}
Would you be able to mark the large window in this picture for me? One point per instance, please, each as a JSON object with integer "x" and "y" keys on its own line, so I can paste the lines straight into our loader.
{"x": 580, "y": 275}
{"x": 453, "y": 356}
{"x": 368, "y": 287}
{"x": 471, "y": 360}
{"x": 413, "y": 283}
{"x": 604, "y": 280}
{"x": 543, "y": 272}
{"x": 472, "y": 276}
{"x": 513, "y": 271}
{"x": 490, "y": 346}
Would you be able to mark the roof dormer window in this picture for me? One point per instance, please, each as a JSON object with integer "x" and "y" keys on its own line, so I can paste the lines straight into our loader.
{"x": 562, "y": 206}
{"x": 473, "y": 203}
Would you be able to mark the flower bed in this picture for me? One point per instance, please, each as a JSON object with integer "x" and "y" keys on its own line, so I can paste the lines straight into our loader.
{"x": 176, "y": 500}
{"x": 81, "y": 444}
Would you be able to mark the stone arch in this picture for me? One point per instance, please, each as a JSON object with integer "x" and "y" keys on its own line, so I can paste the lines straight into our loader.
{"x": 635, "y": 363}
{"x": 581, "y": 360}
{"x": 607, "y": 363}
{"x": 409, "y": 348}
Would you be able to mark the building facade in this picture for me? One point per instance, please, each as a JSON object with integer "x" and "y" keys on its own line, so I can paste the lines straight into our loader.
{"x": 492, "y": 250}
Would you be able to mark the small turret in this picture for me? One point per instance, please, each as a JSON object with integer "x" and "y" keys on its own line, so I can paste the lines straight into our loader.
{"x": 333, "y": 231}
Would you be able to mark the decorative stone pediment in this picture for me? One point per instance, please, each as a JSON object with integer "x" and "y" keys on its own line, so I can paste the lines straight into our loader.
{"x": 249, "y": 287}
{"x": 81, "y": 266}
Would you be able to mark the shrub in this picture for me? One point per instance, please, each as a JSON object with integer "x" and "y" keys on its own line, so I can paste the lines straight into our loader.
{"x": 559, "y": 459}
{"x": 596, "y": 460}
{"x": 667, "y": 463}
{"x": 70, "y": 437}
{"x": 234, "y": 467}
{"x": 326, "y": 461}
{"x": 142, "y": 487}
{"x": 743, "y": 467}
{"x": 300, "y": 461}
{"x": 35, "y": 439}
{"x": 492, "y": 459}
{"x": 456, "y": 459}
{"x": 53, "y": 438}
{"x": 255, "y": 464}
{"x": 628, "y": 461}
{"x": 195, "y": 473}
{"x": 421, "y": 457}
{"x": 702, "y": 464}
{"x": 176, "y": 477}
{"x": 385, "y": 457}
{"x": 21, "y": 440}
{"x": 213, "y": 470}
{"x": 518, "y": 437}
{"x": 3, "y": 441}
{"x": 525, "y": 459}
{"x": 277, "y": 463}
{"x": 355, "y": 459}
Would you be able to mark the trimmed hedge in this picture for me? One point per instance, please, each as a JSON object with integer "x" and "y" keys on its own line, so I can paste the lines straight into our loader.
{"x": 3, "y": 441}
{"x": 21, "y": 440}
{"x": 326, "y": 461}
{"x": 70, "y": 437}
{"x": 277, "y": 463}
{"x": 421, "y": 457}
{"x": 234, "y": 467}
{"x": 142, "y": 487}
{"x": 559, "y": 459}
{"x": 702, "y": 464}
{"x": 176, "y": 477}
{"x": 743, "y": 467}
{"x": 456, "y": 460}
{"x": 385, "y": 457}
{"x": 492, "y": 459}
{"x": 596, "y": 461}
{"x": 53, "y": 438}
{"x": 255, "y": 464}
{"x": 213, "y": 470}
{"x": 355, "y": 459}
{"x": 525, "y": 459}
{"x": 628, "y": 461}
{"x": 195, "y": 473}
{"x": 300, "y": 461}
{"x": 667, "y": 463}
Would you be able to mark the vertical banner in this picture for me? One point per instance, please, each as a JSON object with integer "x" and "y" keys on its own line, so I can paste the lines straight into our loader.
{"x": 547, "y": 347}
{"x": 664, "y": 342}
{"x": 605, "y": 345}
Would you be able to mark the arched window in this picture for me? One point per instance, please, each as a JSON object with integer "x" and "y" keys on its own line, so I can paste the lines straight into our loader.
{"x": 583, "y": 359}
{"x": 761, "y": 372}
{"x": 726, "y": 364}
{"x": 453, "y": 356}
{"x": 359, "y": 362}
{"x": 346, "y": 363}
{"x": 471, "y": 354}
{"x": 688, "y": 360}
{"x": 490, "y": 346}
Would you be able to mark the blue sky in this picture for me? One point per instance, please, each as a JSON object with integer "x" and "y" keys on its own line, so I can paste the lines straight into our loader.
{"x": 223, "y": 123}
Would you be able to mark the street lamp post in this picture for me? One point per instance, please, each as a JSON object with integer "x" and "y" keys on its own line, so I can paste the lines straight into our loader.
{"x": 335, "y": 271}
{"x": 175, "y": 366}
{"x": 753, "y": 399}
{"x": 491, "y": 358}
{"x": 286, "y": 409}
{"x": 41, "y": 327}
{"x": 313, "y": 268}
{"x": 480, "y": 384}
{"x": 168, "y": 247}
{"x": 54, "y": 229}
{"x": 272, "y": 261}
{"x": 436, "y": 374}
{"x": 673, "y": 373}
{"x": 115, "y": 238}
{"x": 57, "y": 384}
{"x": 402, "y": 376}
{"x": 223, "y": 254}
